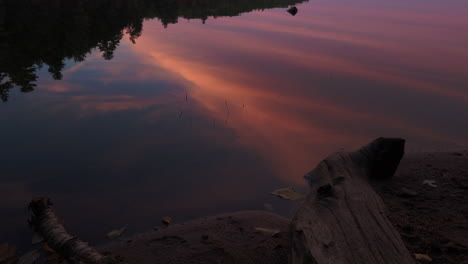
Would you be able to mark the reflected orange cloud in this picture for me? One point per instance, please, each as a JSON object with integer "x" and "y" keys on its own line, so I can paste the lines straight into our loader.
{"x": 61, "y": 86}
{"x": 243, "y": 74}
{"x": 273, "y": 122}
{"x": 390, "y": 71}
{"x": 116, "y": 102}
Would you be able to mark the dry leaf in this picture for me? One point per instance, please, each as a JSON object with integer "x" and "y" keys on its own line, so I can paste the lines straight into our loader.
{"x": 431, "y": 183}
{"x": 166, "y": 220}
{"x": 116, "y": 233}
{"x": 6, "y": 252}
{"x": 29, "y": 258}
{"x": 266, "y": 231}
{"x": 423, "y": 258}
{"x": 288, "y": 194}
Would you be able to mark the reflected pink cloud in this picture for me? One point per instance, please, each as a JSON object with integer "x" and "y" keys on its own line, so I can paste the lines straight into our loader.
{"x": 293, "y": 123}
{"x": 399, "y": 33}
{"x": 266, "y": 119}
{"x": 116, "y": 102}
{"x": 61, "y": 87}
{"x": 367, "y": 67}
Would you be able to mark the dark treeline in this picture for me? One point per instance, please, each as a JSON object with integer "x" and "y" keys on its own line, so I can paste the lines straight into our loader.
{"x": 37, "y": 33}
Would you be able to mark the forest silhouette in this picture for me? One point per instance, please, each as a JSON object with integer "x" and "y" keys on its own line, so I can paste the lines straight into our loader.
{"x": 36, "y": 34}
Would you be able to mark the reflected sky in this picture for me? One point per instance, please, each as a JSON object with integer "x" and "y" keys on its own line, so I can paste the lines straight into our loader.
{"x": 199, "y": 119}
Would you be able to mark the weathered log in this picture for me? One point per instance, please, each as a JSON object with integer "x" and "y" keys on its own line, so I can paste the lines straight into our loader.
{"x": 46, "y": 224}
{"x": 342, "y": 219}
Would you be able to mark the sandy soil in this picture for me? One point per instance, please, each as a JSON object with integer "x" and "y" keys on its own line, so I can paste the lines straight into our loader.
{"x": 229, "y": 238}
{"x": 432, "y": 220}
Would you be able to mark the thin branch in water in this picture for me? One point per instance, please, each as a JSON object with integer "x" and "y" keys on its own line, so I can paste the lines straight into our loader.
{"x": 227, "y": 107}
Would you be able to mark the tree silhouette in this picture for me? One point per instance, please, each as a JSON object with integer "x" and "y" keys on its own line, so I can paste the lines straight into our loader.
{"x": 37, "y": 33}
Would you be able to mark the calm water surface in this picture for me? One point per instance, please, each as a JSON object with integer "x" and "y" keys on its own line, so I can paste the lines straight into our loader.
{"x": 186, "y": 118}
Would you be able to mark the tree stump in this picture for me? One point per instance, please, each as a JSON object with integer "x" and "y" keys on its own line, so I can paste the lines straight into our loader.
{"x": 342, "y": 219}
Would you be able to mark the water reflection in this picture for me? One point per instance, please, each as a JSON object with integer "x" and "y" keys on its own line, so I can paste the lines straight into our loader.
{"x": 37, "y": 34}
{"x": 113, "y": 135}
{"x": 296, "y": 90}
{"x": 199, "y": 118}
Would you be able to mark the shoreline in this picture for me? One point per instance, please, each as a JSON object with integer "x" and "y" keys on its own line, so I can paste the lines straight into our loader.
{"x": 429, "y": 216}
{"x": 429, "y": 219}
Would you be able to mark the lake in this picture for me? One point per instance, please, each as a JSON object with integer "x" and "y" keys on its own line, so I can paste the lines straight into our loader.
{"x": 127, "y": 111}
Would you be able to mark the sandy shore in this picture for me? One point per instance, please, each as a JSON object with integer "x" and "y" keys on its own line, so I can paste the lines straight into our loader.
{"x": 227, "y": 238}
{"x": 432, "y": 220}
{"x": 426, "y": 200}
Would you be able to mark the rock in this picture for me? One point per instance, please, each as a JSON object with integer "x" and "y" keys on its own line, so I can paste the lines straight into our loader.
{"x": 423, "y": 258}
{"x": 293, "y": 10}
{"x": 267, "y": 231}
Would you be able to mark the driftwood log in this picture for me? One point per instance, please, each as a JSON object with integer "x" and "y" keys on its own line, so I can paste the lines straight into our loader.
{"x": 342, "y": 219}
{"x": 46, "y": 224}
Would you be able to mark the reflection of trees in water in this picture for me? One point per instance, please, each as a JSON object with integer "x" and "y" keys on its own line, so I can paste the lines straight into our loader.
{"x": 35, "y": 33}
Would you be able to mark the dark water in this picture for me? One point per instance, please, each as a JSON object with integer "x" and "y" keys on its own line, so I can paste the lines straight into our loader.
{"x": 126, "y": 111}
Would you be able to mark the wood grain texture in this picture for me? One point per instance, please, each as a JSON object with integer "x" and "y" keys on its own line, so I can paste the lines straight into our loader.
{"x": 342, "y": 219}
